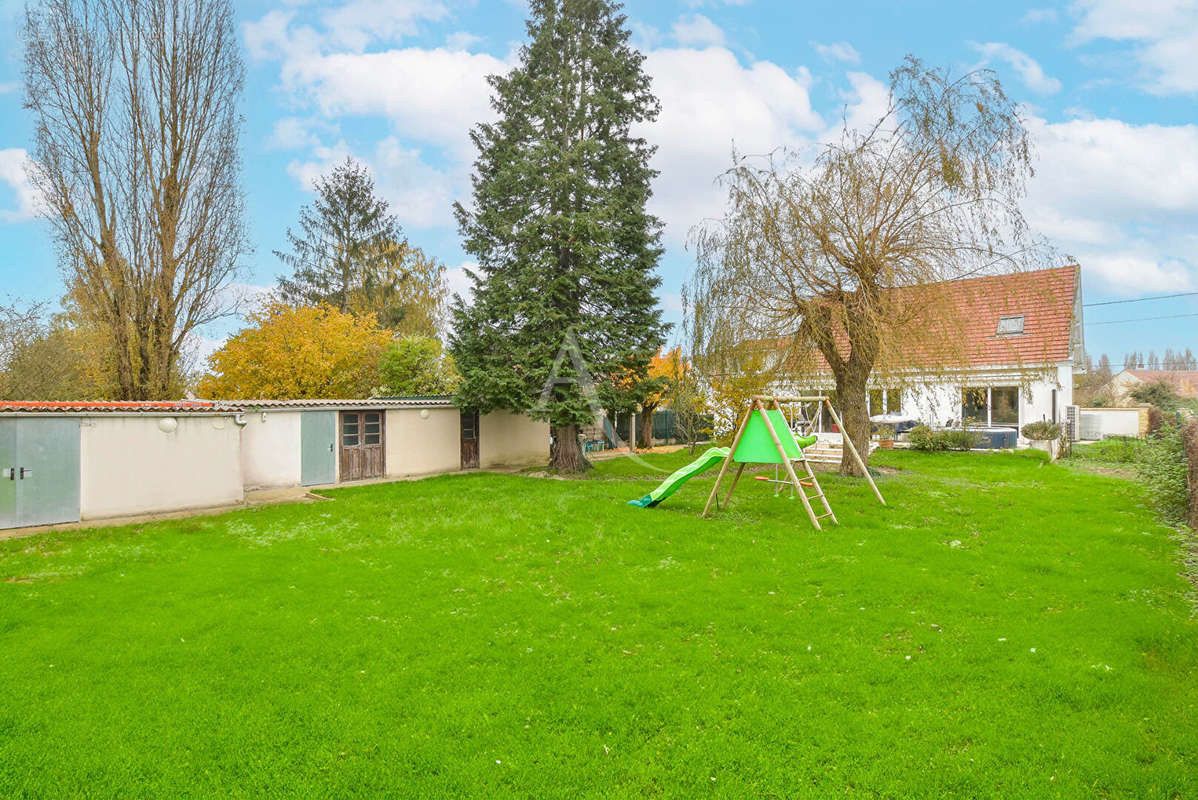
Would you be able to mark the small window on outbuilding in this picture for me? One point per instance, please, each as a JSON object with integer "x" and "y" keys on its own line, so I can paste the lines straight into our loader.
{"x": 1010, "y": 326}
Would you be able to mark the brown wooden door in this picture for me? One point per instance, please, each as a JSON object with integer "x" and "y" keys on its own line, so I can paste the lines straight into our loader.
{"x": 469, "y": 440}
{"x": 363, "y": 445}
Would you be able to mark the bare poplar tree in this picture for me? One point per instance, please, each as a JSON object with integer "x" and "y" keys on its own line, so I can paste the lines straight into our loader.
{"x": 136, "y": 161}
{"x": 830, "y": 264}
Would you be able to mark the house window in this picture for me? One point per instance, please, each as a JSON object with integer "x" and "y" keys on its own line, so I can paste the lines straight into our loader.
{"x": 875, "y": 401}
{"x": 1004, "y": 405}
{"x": 885, "y": 401}
{"x": 1010, "y": 326}
{"x": 975, "y": 409}
{"x": 991, "y": 405}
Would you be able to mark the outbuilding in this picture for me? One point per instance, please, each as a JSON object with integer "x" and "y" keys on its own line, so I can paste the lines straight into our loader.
{"x": 67, "y": 461}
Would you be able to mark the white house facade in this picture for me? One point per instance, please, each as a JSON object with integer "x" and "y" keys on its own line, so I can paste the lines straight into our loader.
{"x": 1023, "y": 345}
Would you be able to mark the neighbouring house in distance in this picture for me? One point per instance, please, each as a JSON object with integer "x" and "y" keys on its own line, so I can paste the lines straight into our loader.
{"x": 1022, "y": 344}
{"x": 63, "y": 462}
{"x": 1122, "y": 384}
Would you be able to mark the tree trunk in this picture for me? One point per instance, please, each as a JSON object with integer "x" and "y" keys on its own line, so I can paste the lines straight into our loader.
{"x": 645, "y": 432}
{"x": 852, "y": 392}
{"x": 565, "y": 454}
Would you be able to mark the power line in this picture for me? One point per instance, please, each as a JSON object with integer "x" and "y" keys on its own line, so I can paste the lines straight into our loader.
{"x": 1140, "y": 299}
{"x": 1138, "y": 319}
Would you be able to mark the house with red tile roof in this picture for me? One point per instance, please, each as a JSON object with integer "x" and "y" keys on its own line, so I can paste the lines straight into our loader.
{"x": 1016, "y": 341}
{"x": 1184, "y": 382}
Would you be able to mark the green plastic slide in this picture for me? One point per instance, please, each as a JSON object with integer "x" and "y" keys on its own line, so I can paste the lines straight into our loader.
{"x": 713, "y": 456}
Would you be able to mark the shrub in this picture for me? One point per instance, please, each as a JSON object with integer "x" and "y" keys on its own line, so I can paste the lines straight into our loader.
{"x": 924, "y": 438}
{"x": 1156, "y": 418}
{"x": 959, "y": 439}
{"x": 1042, "y": 430}
{"x": 1157, "y": 393}
{"x": 1163, "y": 468}
{"x": 1189, "y": 441}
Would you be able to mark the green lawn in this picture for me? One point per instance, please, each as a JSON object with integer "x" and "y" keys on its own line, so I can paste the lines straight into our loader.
{"x": 1006, "y": 628}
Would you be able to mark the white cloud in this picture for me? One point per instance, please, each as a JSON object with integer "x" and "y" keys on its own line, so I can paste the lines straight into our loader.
{"x": 1026, "y": 67}
{"x": 1036, "y": 16}
{"x": 1137, "y": 173}
{"x": 1164, "y": 34}
{"x": 296, "y": 133}
{"x": 434, "y": 96}
{"x": 322, "y": 158}
{"x": 1121, "y": 197}
{"x": 7, "y": 87}
{"x": 13, "y": 164}
{"x": 420, "y": 195}
{"x": 837, "y": 51}
{"x": 357, "y": 23}
{"x": 459, "y": 282}
{"x": 461, "y": 40}
{"x": 867, "y": 102}
{"x": 711, "y": 102}
{"x": 698, "y": 31}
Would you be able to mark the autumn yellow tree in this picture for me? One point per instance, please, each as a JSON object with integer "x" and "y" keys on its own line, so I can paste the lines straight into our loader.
{"x": 301, "y": 353}
{"x": 407, "y": 291}
{"x": 656, "y": 389}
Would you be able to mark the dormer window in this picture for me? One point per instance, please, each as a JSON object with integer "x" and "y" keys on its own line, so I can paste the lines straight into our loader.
{"x": 1010, "y": 326}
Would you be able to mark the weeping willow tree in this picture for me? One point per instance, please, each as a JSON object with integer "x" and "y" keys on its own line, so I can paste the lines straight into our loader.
{"x": 834, "y": 265}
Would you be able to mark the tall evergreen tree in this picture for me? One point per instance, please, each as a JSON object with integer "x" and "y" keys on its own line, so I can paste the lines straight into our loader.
{"x": 345, "y": 247}
{"x": 566, "y": 251}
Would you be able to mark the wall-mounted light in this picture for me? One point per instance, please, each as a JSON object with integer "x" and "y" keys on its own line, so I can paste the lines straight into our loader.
{"x": 424, "y": 413}
{"x": 168, "y": 424}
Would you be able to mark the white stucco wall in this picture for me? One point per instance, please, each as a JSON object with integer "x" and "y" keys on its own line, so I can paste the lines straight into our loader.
{"x": 419, "y": 445}
{"x": 939, "y": 403}
{"x": 129, "y": 466}
{"x": 1099, "y": 423}
{"x": 270, "y": 449}
{"x": 512, "y": 440}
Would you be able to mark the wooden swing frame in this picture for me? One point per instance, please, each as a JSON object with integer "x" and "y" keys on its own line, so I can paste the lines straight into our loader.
{"x": 758, "y": 405}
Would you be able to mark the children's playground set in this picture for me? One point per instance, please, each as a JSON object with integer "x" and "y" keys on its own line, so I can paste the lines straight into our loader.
{"x": 765, "y": 436}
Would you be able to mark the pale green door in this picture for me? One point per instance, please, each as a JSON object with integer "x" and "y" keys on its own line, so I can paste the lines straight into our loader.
{"x": 8, "y": 473}
{"x": 47, "y": 471}
{"x": 318, "y": 447}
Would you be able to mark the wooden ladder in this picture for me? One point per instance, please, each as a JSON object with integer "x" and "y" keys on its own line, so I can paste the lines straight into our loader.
{"x": 818, "y": 495}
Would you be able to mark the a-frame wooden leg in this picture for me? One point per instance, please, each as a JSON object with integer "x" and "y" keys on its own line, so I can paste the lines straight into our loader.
{"x": 735, "y": 479}
{"x": 848, "y": 441}
{"x": 711, "y": 498}
{"x": 790, "y": 470}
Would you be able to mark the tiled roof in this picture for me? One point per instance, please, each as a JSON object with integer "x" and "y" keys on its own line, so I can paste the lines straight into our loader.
{"x": 968, "y": 319}
{"x": 423, "y": 401}
{"x": 215, "y": 406}
{"x": 1044, "y": 298}
{"x": 105, "y": 406}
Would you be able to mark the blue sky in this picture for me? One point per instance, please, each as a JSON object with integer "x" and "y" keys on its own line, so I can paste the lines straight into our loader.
{"x": 1110, "y": 90}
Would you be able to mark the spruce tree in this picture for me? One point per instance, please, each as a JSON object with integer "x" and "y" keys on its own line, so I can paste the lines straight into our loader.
{"x": 566, "y": 250}
{"x": 345, "y": 247}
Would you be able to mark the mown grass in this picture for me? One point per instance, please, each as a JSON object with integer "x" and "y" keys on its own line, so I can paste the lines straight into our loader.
{"x": 1005, "y": 628}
